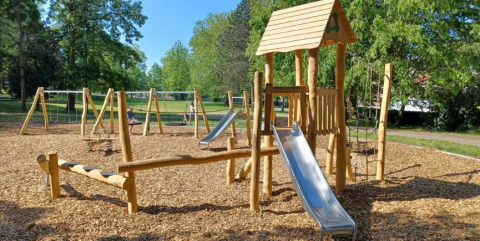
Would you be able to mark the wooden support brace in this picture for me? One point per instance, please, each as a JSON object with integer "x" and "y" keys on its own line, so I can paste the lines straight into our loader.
{"x": 231, "y": 162}
{"x": 102, "y": 112}
{"x": 112, "y": 117}
{"x": 32, "y": 109}
{"x": 84, "y": 112}
{"x": 146, "y": 127}
{"x": 94, "y": 109}
{"x": 44, "y": 109}
{"x": 203, "y": 110}
{"x": 159, "y": 117}
{"x": 247, "y": 119}
{"x": 382, "y": 130}
{"x": 195, "y": 99}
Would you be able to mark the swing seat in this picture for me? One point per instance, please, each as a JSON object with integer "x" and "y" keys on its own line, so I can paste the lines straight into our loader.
{"x": 134, "y": 124}
{"x": 175, "y": 124}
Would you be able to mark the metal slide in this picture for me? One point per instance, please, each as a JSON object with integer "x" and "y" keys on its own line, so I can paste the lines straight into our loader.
{"x": 313, "y": 190}
{"x": 221, "y": 127}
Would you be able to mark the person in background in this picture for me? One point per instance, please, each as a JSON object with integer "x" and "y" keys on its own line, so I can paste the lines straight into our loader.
{"x": 192, "y": 112}
{"x": 184, "y": 118}
{"x": 131, "y": 118}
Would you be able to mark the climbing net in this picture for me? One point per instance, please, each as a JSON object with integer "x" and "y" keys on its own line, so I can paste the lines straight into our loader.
{"x": 363, "y": 112}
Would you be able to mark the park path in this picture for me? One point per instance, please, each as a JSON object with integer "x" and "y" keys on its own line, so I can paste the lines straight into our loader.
{"x": 467, "y": 140}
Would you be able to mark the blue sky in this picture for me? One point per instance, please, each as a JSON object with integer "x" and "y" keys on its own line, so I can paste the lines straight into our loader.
{"x": 169, "y": 21}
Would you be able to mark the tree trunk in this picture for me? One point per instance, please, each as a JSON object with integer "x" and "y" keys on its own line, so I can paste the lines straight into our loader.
{"x": 400, "y": 115}
{"x": 283, "y": 104}
{"x": 21, "y": 60}
{"x": 70, "y": 102}
{"x": 252, "y": 98}
{"x": 226, "y": 101}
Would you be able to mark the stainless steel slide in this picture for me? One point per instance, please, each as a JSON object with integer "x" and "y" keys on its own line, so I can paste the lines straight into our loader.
{"x": 221, "y": 127}
{"x": 313, "y": 190}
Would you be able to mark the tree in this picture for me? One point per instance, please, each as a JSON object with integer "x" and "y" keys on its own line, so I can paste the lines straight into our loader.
{"x": 155, "y": 77}
{"x": 440, "y": 39}
{"x": 24, "y": 13}
{"x": 205, "y": 53}
{"x": 231, "y": 69}
{"x": 176, "y": 68}
{"x": 96, "y": 27}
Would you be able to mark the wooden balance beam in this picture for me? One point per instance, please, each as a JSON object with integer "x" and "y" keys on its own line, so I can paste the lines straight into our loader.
{"x": 115, "y": 180}
{"x": 191, "y": 160}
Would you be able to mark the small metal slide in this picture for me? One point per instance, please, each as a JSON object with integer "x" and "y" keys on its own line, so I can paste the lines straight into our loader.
{"x": 221, "y": 127}
{"x": 312, "y": 187}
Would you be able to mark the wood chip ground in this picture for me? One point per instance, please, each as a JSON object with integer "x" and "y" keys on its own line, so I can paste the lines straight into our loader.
{"x": 427, "y": 195}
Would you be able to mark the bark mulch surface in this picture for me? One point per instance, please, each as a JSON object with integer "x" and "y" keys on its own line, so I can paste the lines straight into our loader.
{"x": 427, "y": 195}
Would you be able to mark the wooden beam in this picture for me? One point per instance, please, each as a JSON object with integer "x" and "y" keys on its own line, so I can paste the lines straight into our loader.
{"x": 44, "y": 109}
{"x": 43, "y": 163}
{"x": 269, "y": 110}
{"x": 256, "y": 142}
{"x": 54, "y": 176}
{"x": 232, "y": 107}
{"x": 102, "y": 112}
{"x": 247, "y": 119}
{"x": 94, "y": 109}
{"x": 286, "y": 90}
{"x": 340, "y": 118}
{"x": 290, "y": 110}
{"x": 84, "y": 112}
{"x": 203, "y": 110}
{"x": 190, "y": 160}
{"x": 116, "y": 180}
{"x": 159, "y": 117}
{"x": 330, "y": 151}
{"x": 32, "y": 109}
{"x": 312, "y": 99}
{"x": 112, "y": 117}
{"x": 301, "y": 104}
{"x": 195, "y": 98}
{"x": 382, "y": 130}
{"x": 126, "y": 149}
{"x": 146, "y": 127}
{"x": 321, "y": 91}
{"x": 246, "y": 168}
{"x": 231, "y": 162}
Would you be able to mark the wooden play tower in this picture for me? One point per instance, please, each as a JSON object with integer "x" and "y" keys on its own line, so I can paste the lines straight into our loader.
{"x": 305, "y": 27}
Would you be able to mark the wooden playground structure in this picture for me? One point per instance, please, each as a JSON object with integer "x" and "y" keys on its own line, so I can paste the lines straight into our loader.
{"x": 319, "y": 117}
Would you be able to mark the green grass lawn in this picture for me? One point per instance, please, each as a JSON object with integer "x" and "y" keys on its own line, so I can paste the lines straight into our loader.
{"x": 462, "y": 149}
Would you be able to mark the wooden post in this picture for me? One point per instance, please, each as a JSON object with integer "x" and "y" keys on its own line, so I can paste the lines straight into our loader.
{"x": 330, "y": 151}
{"x": 231, "y": 162}
{"x": 312, "y": 100}
{"x": 54, "y": 177}
{"x": 84, "y": 111}
{"x": 199, "y": 96}
{"x": 382, "y": 130}
{"x": 32, "y": 109}
{"x": 195, "y": 97}
{"x": 256, "y": 142}
{"x": 290, "y": 110}
{"x": 94, "y": 109}
{"x": 44, "y": 109}
{"x": 112, "y": 117}
{"x": 340, "y": 118}
{"x": 247, "y": 118}
{"x": 268, "y": 139}
{"x": 126, "y": 148}
{"x": 232, "y": 107}
{"x": 159, "y": 117}
{"x": 102, "y": 112}
{"x": 146, "y": 127}
{"x": 301, "y": 104}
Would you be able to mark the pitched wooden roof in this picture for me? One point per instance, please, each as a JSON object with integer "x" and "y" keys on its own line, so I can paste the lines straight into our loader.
{"x": 305, "y": 27}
